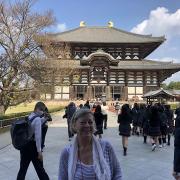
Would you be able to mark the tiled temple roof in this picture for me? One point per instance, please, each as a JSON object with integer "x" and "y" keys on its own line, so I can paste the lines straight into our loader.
{"x": 103, "y": 35}
{"x": 123, "y": 64}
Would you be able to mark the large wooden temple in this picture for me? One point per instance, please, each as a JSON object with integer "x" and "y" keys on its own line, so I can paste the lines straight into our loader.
{"x": 95, "y": 62}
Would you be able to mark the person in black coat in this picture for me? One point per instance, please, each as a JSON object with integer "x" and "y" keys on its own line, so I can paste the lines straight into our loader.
{"x": 154, "y": 126}
{"x": 99, "y": 117}
{"x": 87, "y": 105}
{"x": 170, "y": 122}
{"x": 124, "y": 120}
{"x": 176, "y": 164}
{"x": 145, "y": 122}
{"x": 135, "y": 121}
{"x": 163, "y": 125}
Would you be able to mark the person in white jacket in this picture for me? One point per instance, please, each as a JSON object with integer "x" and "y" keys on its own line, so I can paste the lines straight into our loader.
{"x": 32, "y": 151}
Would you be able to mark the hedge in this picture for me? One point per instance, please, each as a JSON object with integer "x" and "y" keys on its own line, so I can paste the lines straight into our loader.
{"x": 16, "y": 115}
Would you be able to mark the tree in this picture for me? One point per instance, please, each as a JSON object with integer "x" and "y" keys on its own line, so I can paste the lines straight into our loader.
{"x": 164, "y": 86}
{"x": 18, "y": 49}
{"x": 174, "y": 85}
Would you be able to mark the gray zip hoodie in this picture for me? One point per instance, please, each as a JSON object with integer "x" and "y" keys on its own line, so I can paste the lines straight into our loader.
{"x": 37, "y": 129}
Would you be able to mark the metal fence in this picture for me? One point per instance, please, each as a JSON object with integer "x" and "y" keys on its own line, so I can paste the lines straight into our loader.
{"x": 7, "y": 122}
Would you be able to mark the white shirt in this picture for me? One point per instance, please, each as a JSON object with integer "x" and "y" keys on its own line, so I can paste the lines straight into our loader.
{"x": 104, "y": 109}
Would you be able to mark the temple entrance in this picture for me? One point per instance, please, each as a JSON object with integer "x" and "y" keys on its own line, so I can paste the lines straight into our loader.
{"x": 117, "y": 91}
{"x": 99, "y": 92}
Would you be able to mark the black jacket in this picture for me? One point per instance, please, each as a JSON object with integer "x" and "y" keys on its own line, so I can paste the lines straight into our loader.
{"x": 177, "y": 143}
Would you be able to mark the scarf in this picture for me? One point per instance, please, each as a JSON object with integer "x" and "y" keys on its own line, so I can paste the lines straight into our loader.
{"x": 101, "y": 167}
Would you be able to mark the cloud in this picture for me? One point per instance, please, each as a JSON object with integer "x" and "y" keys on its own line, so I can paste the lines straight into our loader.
{"x": 61, "y": 27}
{"x": 160, "y": 22}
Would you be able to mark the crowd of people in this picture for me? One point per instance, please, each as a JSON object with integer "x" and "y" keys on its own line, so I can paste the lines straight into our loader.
{"x": 153, "y": 121}
{"x": 89, "y": 156}
{"x": 99, "y": 111}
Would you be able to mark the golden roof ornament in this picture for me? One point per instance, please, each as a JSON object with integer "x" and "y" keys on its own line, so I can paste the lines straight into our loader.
{"x": 82, "y": 24}
{"x": 110, "y": 24}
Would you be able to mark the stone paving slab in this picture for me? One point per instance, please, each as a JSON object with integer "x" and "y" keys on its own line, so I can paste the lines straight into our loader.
{"x": 140, "y": 163}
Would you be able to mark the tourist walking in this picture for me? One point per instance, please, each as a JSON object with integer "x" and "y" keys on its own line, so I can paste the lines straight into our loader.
{"x": 45, "y": 126}
{"x": 124, "y": 120}
{"x": 145, "y": 123}
{"x": 142, "y": 111}
{"x": 87, "y": 105}
{"x": 170, "y": 123}
{"x": 163, "y": 125}
{"x": 88, "y": 158}
{"x": 135, "y": 121}
{"x": 154, "y": 126}
{"x": 33, "y": 151}
{"x": 71, "y": 109}
{"x": 99, "y": 118}
{"x": 104, "y": 108}
{"x": 117, "y": 108}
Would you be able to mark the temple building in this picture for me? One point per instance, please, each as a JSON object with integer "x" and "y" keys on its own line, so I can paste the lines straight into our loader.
{"x": 95, "y": 62}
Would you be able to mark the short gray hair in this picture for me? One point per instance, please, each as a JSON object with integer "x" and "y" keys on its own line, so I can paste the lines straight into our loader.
{"x": 78, "y": 114}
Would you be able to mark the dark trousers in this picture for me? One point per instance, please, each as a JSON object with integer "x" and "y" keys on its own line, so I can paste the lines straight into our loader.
{"x": 105, "y": 121}
{"x": 44, "y": 131}
{"x": 70, "y": 134}
{"x": 177, "y": 159}
{"x": 29, "y": 154}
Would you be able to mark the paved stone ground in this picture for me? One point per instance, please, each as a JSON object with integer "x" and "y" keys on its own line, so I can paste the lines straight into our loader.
{"x": 140, "y": 163}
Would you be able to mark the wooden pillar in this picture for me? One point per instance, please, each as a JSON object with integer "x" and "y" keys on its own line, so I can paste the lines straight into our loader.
{"x": 144, "y": 82}
{"x": 108, "y": 93}
{"x": 126, "y": 87}
{"x": 52, "y": 87}
{"x": 159, "y": 77}
{"x": 72, "y": 93}
{"x": 89, "y": 93}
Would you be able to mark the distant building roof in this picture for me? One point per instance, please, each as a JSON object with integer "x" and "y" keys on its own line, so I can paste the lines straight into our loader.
{"x": 176, "y": 92}
{"x": 158, "y": 93}
{"x": 146, "y": 64}
{"x": 103, "y": 35}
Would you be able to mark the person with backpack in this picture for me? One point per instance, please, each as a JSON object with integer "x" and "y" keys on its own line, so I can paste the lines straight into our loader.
{"x": 32, "y": 151}
{"x": 48, "y": 118}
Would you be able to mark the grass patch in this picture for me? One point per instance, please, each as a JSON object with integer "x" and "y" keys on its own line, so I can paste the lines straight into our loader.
{"x": 25, "y": 109}
{"x": 28, "y": 107}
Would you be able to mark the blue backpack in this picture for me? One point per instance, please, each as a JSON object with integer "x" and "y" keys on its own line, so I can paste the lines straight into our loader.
{"x": 21, "y": 132}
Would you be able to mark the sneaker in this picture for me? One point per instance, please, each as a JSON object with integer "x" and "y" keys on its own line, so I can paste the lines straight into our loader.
{"x": 168, "y": 143}
{"x": 164, "y": 144}
{"x": 160, "y": 146}
{"x": 69, "y": 139}
{"x": 153, "y": 147}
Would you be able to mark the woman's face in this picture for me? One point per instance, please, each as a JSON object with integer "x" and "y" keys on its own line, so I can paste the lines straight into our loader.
{"x": 85, "y": 125}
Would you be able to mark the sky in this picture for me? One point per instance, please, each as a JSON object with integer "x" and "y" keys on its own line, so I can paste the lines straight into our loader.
{"x": 156, "y": 17}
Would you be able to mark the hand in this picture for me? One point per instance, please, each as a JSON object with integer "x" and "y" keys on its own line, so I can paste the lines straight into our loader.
{"x": 50, "y": 122}
{"x": 40, "y": 156}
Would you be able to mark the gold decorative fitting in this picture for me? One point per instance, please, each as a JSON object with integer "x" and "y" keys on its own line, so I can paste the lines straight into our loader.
{"x": 82, "y": 24}
{"x": 110, "y": 24}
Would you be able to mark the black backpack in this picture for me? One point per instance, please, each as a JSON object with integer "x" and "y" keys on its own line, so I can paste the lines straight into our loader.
{"x": 21, "y": 132}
